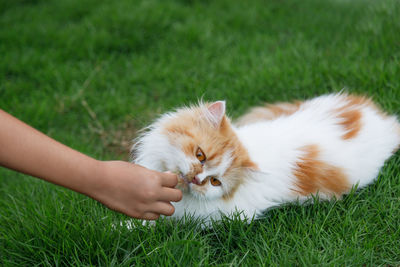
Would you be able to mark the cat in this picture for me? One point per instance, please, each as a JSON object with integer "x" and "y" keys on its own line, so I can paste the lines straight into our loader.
{"x": 272, "y": 155}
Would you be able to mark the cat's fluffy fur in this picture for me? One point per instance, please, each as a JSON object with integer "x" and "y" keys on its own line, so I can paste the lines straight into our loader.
{"x": 272, "y": 155}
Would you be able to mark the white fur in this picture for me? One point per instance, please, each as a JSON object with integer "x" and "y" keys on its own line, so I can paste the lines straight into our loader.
{"x": 274, "y": 146}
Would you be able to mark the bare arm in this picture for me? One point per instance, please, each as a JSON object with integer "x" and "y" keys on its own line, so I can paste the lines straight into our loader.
{"x": 121, "y": 186}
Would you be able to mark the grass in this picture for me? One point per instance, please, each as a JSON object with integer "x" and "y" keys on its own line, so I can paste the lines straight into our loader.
{"x": 90, "y": 73}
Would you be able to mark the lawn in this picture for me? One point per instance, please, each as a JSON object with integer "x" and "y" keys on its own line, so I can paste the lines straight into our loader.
{"x": 91, "y": 73}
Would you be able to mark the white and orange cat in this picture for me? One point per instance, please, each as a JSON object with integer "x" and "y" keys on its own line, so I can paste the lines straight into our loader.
{"x": 272, "y": 155}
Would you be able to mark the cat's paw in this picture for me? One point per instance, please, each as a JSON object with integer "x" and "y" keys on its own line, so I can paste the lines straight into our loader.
{"x": 132, "y": 224}
{"x": 149, "y": 223}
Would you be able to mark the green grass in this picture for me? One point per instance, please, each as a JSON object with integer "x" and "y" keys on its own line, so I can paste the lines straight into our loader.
{"x": 90, "y": 73}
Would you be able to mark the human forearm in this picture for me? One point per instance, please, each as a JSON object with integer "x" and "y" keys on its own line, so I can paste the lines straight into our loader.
{"x": 27, "y": 150}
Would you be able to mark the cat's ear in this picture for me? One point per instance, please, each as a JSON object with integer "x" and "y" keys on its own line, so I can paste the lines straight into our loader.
{"x": 216, "y": 112}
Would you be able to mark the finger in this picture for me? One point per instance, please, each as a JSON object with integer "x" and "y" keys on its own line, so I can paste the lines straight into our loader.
{"x": 169, "y": 179}
{"x": 164, "y": 208}
{"x": 151, "y": 216}
{"x": 170, "y": 194}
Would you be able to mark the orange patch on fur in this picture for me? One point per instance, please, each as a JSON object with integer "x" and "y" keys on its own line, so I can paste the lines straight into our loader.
{"x": 187, "y": 146}
{"x": 314, "y": 175}
{"x": 351, "y": 121}
{"x": 355, "y": 100}
{"x": 359, "y": 100}
{"x": 269, "y": 112}
{"x": 365, "y": 101}
{"x": 350, "y": 114}
{"x": 283, "y": 108}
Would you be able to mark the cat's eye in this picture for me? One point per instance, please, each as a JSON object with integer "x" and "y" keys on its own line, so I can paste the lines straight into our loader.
{"x": 200, "y": 155}
{"x": 215, "y": 181}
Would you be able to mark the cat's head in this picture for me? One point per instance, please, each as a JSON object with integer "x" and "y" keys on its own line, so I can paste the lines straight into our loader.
{"x": 200, "y": 145}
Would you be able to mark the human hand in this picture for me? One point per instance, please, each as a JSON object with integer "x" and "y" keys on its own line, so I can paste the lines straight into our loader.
{"x": 134, "y": 190}
{"x": 125, "y": 187}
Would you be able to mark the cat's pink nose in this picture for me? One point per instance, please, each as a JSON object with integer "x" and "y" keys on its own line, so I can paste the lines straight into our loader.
{"x": 196, "y": 180}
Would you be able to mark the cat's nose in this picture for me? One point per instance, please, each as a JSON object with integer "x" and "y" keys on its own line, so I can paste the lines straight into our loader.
{"x": 192, "y": 174}
{"x": 196, "y": 180}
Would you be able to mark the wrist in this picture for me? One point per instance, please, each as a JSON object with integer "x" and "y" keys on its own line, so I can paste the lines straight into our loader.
{"x": 93, "y": 178}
